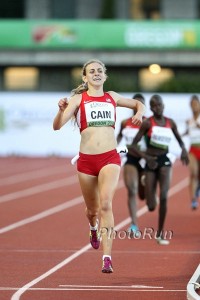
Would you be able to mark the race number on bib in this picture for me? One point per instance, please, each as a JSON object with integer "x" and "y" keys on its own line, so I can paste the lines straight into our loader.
{"x": 161, "y": 137}
{"x": 99, "y": 114}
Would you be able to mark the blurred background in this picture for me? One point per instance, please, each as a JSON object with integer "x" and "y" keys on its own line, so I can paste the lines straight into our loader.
{"x": 147, "y": 46}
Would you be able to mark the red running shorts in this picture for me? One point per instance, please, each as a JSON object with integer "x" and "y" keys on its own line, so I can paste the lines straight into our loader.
{"x": 92, "y": 164}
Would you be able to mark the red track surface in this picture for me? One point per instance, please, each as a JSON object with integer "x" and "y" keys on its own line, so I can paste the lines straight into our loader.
{"x": 43, "y": 232}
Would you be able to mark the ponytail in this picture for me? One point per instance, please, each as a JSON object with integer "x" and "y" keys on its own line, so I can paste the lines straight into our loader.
{"x": 80, "y": 89}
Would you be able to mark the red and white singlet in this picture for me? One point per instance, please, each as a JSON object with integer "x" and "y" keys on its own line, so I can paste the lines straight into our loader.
{"x": 96, "y": 111}
{"x": 194, "y": 135}
{"x": 160, "y": 136}
{"x": 129, "y": 132}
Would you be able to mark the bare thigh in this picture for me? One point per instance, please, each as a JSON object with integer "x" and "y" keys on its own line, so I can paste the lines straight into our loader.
{"x": 107, "y": 182}
{"x": 89, "y": 187}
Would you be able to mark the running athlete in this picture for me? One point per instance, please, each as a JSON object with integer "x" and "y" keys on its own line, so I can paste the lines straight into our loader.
{"x": 133, "y": 170}
{"x": 193, "y": 130}
{"x": 99, "y": 163}
{"x": 159, "y": 130}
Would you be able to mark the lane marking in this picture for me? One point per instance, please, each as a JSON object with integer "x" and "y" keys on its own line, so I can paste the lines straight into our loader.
{"x": 128, "y": 289}
{"x": 176, "y": 188}
{"x": 32, "y": 175}
{"x": 185, "y": 252}
{"x": 111, "y": 286}
{"x": 22, "y": 290}
{"x": 49, "y": 212}
{"x": 43, "y": 214}
{"x": 39, "y": 188}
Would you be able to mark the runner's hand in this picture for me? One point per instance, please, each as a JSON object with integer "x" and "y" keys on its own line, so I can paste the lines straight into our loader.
{"x": 63, "y": 103}
{"x": 137, "y": 119}
{"x": 184, "y": 157}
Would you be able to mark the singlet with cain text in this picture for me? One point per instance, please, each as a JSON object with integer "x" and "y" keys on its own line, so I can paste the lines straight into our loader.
{"x": 96, "y": 111}
{"x": 159, "y": 136}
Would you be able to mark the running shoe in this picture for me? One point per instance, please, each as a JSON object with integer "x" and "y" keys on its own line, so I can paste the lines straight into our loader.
{"x": 162, "y": 241}
{"x": 134, "y": 231}
{"x": 107, "y": 265}
{"x": 194, "y": 204}
{"x": 95, "y": 238}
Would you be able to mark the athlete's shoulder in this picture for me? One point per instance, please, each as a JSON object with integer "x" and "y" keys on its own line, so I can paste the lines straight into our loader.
{"x": 114, "y": 95}
{"x": 111, "y": 93}
{"x": 76, "y": 99}
{"x": 169, "y": 122}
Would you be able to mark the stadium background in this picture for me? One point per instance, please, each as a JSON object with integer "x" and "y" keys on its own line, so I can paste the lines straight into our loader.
{"x": 147, "y": 46}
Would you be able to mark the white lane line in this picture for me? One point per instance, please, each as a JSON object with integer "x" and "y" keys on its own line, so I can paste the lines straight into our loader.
{"x": 39, "y": 188}
{"x": 119, "y": 290}
{"x": 111, "y": 286}
{"x": 33, "y": 175}
{"x": 125, "y": 222}
{"x": 173, "y": 190}
{"x": 43, "y": 214}
{"x": 22, "y": 290}
{"x": 128, "y": 289}
{"x": 185, "y": 252}
{"x": 178, "y": 187}
{"x": 49, "y": 212}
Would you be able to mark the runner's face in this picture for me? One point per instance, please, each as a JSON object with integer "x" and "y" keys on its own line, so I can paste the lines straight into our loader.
{"x": 95, "y": 75}
{"x": 157, "y": 107}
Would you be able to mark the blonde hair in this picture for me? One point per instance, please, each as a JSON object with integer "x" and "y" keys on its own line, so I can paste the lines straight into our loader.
{"x": 84, "y": 87}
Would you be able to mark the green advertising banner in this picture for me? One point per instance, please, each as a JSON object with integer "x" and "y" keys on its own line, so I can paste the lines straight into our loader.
{"x": 84, "y": 34}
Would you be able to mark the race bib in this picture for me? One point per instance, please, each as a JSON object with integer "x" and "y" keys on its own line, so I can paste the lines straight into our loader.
{"x": 129, "y": 133}
{"x": 99, "y": 114}
{"x": 161, "y": 137}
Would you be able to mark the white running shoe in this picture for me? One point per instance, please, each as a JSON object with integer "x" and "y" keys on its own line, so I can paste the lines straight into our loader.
{"x": 162, "y": 241}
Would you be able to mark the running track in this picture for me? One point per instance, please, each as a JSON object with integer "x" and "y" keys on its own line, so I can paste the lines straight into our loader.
{"x": 44, "y": 246}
